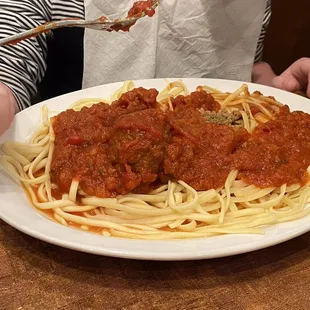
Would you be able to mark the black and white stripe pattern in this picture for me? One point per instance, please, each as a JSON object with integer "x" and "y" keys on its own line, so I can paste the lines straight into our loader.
{"x": 260, "y": 44}
{"x": 23, "y": 66}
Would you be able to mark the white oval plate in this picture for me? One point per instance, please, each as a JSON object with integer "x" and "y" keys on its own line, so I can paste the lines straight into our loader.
{"x": 17, "y": 211}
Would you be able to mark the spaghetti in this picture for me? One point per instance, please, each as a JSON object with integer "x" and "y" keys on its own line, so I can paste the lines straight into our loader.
{"x": 208, "y": 163}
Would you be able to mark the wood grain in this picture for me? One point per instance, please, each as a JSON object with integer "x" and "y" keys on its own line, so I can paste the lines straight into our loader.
{"x": 36, "y": 275}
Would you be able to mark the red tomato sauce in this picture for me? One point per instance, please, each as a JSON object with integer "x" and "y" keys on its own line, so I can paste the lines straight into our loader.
{"x": 197, "y": 100}
{"x": 278, "y": 152}
{"x": 110, "y": 149}
{"x": 200, "y": 153}
{"x": 138, "y": 9}
{"x": 141, "y": 7}
{"x": 133, "y": 146}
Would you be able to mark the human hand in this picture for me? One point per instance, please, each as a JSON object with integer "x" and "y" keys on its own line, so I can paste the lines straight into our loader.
{"x": 262, "y": 73}
{"x": 296, "y": 77}
{"x": 7, "y": 107}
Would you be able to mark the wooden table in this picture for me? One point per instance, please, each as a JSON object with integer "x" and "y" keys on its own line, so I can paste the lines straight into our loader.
{"x": 36, "y": 275}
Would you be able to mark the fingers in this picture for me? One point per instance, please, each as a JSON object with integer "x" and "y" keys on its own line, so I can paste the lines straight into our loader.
{"x": 308, "y": 87}
{"x": 296, "y": 77}
{"x": 286, "y": 83}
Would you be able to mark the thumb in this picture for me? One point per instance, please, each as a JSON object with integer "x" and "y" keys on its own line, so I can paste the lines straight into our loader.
{"x": 288, "y": 83}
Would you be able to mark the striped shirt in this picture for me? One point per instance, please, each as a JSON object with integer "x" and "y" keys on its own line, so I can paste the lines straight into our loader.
{"x": 23, "y": 66}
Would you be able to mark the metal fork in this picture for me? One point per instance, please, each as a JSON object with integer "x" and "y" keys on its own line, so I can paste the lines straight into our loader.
{"x": 98, "y": 24}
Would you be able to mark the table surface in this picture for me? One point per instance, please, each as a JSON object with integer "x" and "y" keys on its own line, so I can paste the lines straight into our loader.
{"x": 37, "y": 275}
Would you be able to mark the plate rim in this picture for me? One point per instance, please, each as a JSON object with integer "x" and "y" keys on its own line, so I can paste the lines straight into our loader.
{"x": 152, "y": 256}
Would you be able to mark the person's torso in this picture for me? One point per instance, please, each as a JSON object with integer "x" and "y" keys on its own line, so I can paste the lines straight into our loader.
{"x": 201, "y": 38}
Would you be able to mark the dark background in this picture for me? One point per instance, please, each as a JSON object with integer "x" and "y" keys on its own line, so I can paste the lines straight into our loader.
{"x": 288, "y": 36}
